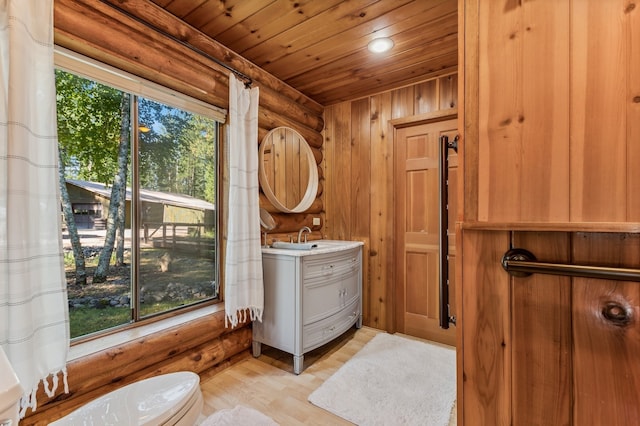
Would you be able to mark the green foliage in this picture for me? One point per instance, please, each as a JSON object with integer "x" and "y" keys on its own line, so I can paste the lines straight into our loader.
{"x": 178, "y": 154}
{"x": 89, "y": 122}
{"x": 83, "y": 321}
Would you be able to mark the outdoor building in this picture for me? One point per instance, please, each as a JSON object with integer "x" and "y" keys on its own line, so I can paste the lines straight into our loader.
{"x": 90, "y": 202}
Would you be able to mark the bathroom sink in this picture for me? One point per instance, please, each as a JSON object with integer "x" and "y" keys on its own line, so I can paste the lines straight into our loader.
{"x": 292, "y": 246}
{"x": 312, "y": 247}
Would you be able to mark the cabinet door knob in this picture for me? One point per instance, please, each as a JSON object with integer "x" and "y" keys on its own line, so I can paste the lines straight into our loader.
{"x": 616, "y": 313}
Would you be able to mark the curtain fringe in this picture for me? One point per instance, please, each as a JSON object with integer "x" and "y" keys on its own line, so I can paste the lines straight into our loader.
{"x": 255, "y": 314}
{"x": 29, "y": 400}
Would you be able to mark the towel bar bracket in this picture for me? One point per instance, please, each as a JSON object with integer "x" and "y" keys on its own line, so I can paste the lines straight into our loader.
{"x": 518, "y": 255}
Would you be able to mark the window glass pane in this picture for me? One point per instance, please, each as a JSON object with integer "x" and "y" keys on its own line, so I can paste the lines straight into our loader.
{"x": 177, "y": 178}
{"x": 173, "y": 263}
{"x": 94, "y": 148}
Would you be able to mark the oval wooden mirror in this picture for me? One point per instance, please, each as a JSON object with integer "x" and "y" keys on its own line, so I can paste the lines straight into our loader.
{"x": 288, "y": 172}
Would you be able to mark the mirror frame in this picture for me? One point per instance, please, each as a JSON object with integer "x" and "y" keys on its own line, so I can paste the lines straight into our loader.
{"x": 312, "y": 186}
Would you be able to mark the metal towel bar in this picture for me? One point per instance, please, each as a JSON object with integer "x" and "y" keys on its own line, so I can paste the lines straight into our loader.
{"x": 521, "y": 263}
{"x": 445, "y": 145}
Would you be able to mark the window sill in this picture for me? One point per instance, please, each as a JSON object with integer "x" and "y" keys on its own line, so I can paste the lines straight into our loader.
{"x": 102, "y": 343}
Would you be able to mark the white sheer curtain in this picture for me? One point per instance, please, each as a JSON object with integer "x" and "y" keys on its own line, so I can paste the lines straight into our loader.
{"x": 34, "y": 325}
{"x": 243, "y": 289}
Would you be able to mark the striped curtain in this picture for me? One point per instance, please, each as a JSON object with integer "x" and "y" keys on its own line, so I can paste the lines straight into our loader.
{"x": 34, "y": 325}
{"x": 243, "y": 289}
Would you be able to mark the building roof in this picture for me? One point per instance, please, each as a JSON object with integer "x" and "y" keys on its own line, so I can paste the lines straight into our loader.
{"x": 179, "y": 200}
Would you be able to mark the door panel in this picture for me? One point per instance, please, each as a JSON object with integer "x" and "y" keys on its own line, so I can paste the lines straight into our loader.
{"x": 417, "y": 229}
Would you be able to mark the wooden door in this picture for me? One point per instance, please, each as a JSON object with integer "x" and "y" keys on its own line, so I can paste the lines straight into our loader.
{"x": 417, "y": 229}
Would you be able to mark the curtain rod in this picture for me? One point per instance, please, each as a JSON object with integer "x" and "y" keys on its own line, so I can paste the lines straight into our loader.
{"x": 247, "y": 80}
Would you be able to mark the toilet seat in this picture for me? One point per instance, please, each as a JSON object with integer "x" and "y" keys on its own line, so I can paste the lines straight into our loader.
{"x": 161, "y": 400}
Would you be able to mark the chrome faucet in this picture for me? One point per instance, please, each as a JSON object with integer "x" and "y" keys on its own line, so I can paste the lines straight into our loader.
{"x": 306, "y": 228}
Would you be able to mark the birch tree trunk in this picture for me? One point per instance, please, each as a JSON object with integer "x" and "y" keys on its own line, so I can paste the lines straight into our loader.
{"x": 67, "y": 209}
{"x": 119, "y": 181}
{"x": 120, "y": 240}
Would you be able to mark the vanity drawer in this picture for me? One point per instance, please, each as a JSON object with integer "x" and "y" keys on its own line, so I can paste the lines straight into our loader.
{"x": 331, "y": 265}
{"x": 323, "y": 297}
{"x": 321, "y": 332}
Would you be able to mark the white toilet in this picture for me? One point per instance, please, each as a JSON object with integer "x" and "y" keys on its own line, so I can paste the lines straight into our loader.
{"x": 168, "y": 399}
{"x": 10, "y": 392}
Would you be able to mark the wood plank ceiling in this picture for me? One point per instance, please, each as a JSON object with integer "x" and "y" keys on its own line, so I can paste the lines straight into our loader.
{"x": 319, "y": 47}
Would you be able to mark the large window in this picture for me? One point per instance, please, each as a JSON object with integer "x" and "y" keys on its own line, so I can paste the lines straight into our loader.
{"x": 138, "y": 179}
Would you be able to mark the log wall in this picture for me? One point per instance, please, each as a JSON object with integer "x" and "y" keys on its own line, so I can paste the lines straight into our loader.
{"x": 358, "y": 179}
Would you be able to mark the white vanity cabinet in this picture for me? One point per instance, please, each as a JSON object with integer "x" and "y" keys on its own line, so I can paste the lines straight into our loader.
{"x": 311, "y": 297}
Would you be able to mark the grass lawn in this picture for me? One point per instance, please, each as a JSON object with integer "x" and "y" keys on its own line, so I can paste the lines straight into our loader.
{"x": 186, "y": 269}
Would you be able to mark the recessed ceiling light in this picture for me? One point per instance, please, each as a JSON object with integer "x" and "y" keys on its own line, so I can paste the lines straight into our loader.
{"x": 380, "y": 45}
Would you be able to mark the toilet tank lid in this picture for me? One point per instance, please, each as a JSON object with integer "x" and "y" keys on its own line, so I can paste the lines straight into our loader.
{"x": 10, "y": 389}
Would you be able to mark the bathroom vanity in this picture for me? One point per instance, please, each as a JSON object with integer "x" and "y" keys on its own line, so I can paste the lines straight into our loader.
{"x": 311, "y": 297}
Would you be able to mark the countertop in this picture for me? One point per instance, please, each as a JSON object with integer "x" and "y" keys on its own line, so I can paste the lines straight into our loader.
{"x": 323, "y": 247}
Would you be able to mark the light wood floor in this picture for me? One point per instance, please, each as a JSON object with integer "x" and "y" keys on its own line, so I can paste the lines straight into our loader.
{"x": 268, "y": 384}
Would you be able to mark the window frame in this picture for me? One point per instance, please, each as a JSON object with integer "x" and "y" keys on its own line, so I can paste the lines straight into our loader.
{"x": 80, "y": 65}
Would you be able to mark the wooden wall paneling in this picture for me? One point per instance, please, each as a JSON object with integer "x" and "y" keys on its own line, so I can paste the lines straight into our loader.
{"x": 448, "y": 92}
{"x": 599, "y": 53}
{"x": 342, "y": 191}
{"x": 458, "y": 281}
{"x": 402, "y": 102}
{"x": 632, "y": 18}
{"x": 468, "y": 118}
{"x": 361, "y": 195}
{"x": 381, "y": 219}
{"x": 606, "y": 332}
{"x": 523, "y": 104}
{"x": 541, "y": 335}
{"x": 426, "y": 97}
{"x": 499, "y": 133}
{"x": 543, "y": 116}
{"x": 486, "y": 342}
{"x": 371, "y": 174}
{"x": 327, "y": 169}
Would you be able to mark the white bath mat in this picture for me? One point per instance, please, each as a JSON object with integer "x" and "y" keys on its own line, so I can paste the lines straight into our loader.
{"x": 393, "y": 380}
{"x": 238, "y": 416}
